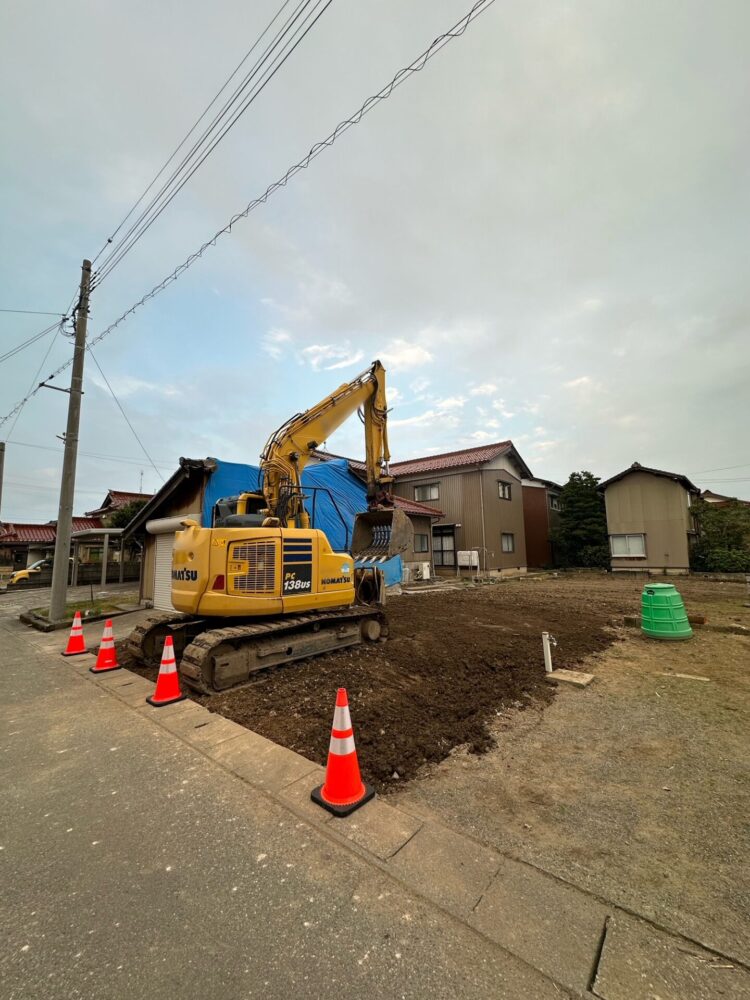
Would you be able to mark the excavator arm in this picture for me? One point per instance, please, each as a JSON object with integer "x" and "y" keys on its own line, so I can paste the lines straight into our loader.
{"x": 289, "y": 448}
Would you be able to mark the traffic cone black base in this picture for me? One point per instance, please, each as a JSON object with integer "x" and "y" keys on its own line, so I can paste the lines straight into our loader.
{"x": 163, "y": 704}
{"x": 346, "y": 810}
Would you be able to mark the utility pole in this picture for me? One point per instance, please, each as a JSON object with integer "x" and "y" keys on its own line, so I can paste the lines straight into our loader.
{"x": 2, "y": 470}
{"x": 67, "y": 485}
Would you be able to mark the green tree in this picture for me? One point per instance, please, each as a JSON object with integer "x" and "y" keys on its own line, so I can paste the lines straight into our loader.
{"x": 723, "y": 544}
{"x": 581, "y": 536}
{"x": 122, "y": 517}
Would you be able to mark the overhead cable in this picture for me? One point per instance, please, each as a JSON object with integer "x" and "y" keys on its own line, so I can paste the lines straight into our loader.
{"x": 90, "y": 454}
{"x": 194, "y": 126}
{"x": 32, "y": 312}
{"x": 307, "y": 13}
{"x": 127, "y": 419}
{"x": 31, "y": 340}
{"x": 404, "y": 74}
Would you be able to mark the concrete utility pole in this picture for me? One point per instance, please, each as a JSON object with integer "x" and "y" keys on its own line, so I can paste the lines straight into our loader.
{"x": 2, "y": 471}
{"x": 68, "y": 483}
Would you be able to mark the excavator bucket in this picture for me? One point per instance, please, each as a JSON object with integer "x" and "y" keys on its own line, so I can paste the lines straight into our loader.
{"x": 381, "y": 533}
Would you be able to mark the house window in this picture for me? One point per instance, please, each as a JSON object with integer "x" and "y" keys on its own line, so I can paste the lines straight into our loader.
{"x": 554, "y": 503}
{"x": 628, "y": 546}
{"x": 508, "y": 542}
{"x": 425, "y": 493}
{"x": 421, "y": 543}
{"x": 443, "y": 546}
{"x": 503, "y": 490}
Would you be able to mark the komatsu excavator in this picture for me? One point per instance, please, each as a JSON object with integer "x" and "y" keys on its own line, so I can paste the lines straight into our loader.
{"x": 262, "y": 587}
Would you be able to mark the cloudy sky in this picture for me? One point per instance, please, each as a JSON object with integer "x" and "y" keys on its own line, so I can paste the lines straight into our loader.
{"x": 543, "y": 235}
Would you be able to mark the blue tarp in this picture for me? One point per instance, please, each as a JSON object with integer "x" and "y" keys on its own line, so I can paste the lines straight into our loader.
{"x": 326, "y": 482}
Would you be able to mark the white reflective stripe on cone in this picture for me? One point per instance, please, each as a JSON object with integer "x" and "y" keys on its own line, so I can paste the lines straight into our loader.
{"x": 341, "y": 718}
{"x": 341, "y": 746}
{"x": 168, "y": 667}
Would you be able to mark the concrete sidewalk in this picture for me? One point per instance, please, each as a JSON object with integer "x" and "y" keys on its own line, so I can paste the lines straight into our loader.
{"x": 135, "y": 866}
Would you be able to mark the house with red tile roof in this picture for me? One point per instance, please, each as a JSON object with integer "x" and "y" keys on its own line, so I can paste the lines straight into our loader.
{"x": 115, "y": 500}
{"x": 474, "y": 499}
{"x": 23, "y": 543}
{"x": 479, "y": 492}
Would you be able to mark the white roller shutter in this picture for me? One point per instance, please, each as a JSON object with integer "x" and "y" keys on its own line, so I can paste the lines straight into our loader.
{"x": 163, "y": 572}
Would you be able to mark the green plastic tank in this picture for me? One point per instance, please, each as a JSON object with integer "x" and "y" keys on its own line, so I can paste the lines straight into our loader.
{"x": 663, "y": 614}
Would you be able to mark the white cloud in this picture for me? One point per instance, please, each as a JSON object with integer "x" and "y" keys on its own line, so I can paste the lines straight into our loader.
{"x": 339, "y": 356}
{"x": 419, "y": 384}
{"x": 501, "y": 407}
{"x": 485, "y": 389}
{"x": 437, "y": 417}
{"x": 450, "y": 403}
{"x": 400, "y": 354}
{"x": 274, "y": 343}
{"x": 578, "y": 383}
{"x": 128, "y": 385}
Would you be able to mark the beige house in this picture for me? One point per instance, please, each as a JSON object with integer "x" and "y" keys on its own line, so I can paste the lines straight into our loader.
{"x": 648, "y": 520}
{"x": 479, "y": 491}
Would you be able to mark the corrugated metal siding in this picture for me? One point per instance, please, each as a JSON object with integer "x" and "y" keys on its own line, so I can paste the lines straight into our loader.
{"x": 503, "y": 515}
{"x": 657, "y": 507}
{"x": 163, "y": 572}
{"x": 184, "y": 501}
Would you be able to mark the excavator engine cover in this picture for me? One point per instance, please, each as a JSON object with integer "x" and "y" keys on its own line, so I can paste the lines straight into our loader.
{"x": 384, "y": 532}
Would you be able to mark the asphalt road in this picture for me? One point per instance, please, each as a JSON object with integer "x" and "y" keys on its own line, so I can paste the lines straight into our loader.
{"x": 133, "y": 866}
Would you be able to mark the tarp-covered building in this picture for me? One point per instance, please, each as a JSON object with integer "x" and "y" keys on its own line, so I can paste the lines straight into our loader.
{"x": 335, "y": 496}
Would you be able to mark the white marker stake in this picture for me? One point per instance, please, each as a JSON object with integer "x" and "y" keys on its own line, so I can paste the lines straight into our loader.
{"x": 547, "y": 653}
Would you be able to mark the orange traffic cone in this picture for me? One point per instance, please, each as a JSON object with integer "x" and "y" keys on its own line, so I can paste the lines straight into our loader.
{"x": 343, "y": 790}
{"x": 76, "y": 644}
{"x": 168, "y": 682}
{"x": 107, "y": 657}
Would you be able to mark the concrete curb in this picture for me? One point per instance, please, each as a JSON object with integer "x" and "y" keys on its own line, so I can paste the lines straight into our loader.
{"x": 494, "y": 894}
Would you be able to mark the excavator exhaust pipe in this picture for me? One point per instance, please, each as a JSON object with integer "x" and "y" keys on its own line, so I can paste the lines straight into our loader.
{"x": 381, "y": 534}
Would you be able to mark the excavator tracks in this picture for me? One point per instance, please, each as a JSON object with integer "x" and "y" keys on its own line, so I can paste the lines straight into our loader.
{"x": 223, "y": 658}
{"x": 215, "y": 659}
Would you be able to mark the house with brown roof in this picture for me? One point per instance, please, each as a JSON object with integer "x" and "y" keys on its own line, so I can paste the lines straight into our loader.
{"x": 115, "y": 500}
{"x": 479, "y": 492}
{"x": 649, "y": 522}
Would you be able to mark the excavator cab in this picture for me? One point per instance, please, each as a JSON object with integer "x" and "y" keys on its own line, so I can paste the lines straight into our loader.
{"x": 381, "y": 533}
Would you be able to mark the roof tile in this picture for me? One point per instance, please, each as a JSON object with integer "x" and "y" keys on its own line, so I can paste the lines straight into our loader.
{"x": 451, "y": 459}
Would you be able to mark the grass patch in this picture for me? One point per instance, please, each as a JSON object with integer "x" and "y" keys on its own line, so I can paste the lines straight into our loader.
{"x": 89, "y": 609}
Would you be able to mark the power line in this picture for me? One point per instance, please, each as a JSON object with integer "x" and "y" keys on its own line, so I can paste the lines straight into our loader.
{"x": 32, "y": 312}
{"x": 722, "y": 468}
{"x": 416, "y": 66}
{"x": 161, "y": 200}
{"x": 122, "y": 411}
{"x": 197, "y": 122}
{"x": 116, "y": 459}
{"x": 30, "y": 340}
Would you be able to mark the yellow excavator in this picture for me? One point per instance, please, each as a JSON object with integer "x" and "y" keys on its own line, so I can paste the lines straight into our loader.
{"x": 261, "y": 586}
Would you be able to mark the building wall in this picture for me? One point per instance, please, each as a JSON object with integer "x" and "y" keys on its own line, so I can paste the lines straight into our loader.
{"x": 537, "y": 523}
{"x": 469, "y": 499}
{"x": 642, "y": 503}
{"x": 502, "y": 516}
{"x": 187, "y": 499}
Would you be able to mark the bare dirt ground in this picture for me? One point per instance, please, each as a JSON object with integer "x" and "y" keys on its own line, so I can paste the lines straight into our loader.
{"x": 635, "y": 788}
